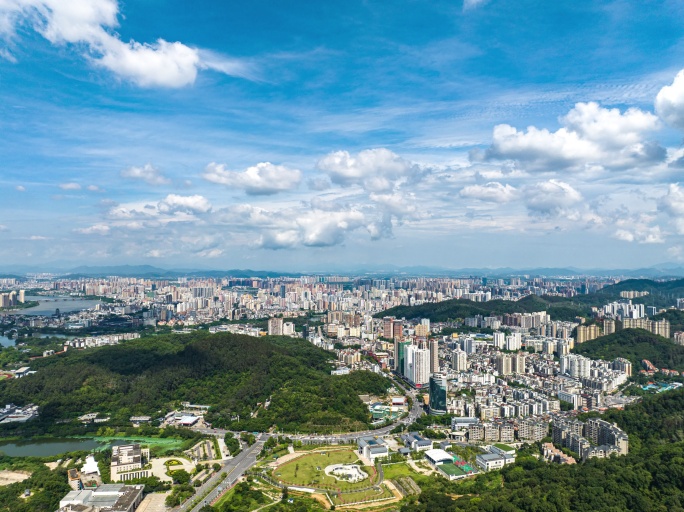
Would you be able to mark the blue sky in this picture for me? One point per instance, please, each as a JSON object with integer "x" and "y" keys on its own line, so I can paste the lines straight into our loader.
{"x": 309, "y": 135}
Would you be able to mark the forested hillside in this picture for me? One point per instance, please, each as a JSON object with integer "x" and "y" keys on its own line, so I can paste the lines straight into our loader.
{"x": 559, "y": 308}
{"x": 662, "y": 294}
{"x": 649, "y": 479}
{"x": 232, "y": 373}
{"x": 635, "y": 345}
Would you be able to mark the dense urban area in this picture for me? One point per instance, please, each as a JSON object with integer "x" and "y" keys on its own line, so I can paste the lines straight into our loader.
{"x": 340, "y": 392}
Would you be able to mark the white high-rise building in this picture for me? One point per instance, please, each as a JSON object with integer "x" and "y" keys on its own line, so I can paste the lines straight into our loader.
{"x": 459, "y": 361}
{"x": 514, "y": 341}
{"x": 499, "y": 340}
{"x": 417, "y": 365}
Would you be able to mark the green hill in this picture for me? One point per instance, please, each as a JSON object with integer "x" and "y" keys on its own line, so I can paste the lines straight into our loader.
{"x": 231, "y": 373}
{"x": 675, "y": 317}
{"x": 559, "y": 308}
{"x": 635, "y": 345}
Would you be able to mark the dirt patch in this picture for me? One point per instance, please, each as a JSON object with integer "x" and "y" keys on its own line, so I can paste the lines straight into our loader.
{"x": 322, "y": 499}
{"x": 12, "y": 477}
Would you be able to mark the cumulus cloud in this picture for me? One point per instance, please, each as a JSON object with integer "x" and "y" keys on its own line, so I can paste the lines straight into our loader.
{"x": 90, "y": 24}
{"x": 147, "y": 173}
{"x": 376, "y": 170}
{"x": 3, "y": 227}
{"x": 591, "y": 137}
{"x": 20, "y": 188}
{"x": 550, "y": 197}
{"x": 263, "y": 178}
{"x": 493, "y": 192}
{"x": 314, "y": 229}
{"x": 669, "y": 103}
{"x": 189, "y": 204}
{"x": 672, "y": 203}
{"x": 641, "y": 235}
{"x": 97, "y": 229}
{"x": 70, "y": 186}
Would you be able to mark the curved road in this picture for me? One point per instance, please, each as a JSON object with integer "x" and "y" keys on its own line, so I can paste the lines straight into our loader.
{"x": 236, "y": 467}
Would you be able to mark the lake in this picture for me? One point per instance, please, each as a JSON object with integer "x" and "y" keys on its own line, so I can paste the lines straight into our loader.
{"x": 48, "y": 305}
{"x": 58, "y": 446}
{"x": 47, "y": 447}
{"x": 7, "y": 342}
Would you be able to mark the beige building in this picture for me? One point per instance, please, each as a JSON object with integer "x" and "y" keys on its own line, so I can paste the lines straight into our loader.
{"x": 129, "y": 462}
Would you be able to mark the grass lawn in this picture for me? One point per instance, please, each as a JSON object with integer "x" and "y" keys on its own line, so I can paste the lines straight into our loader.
{"x": 356, "y": 497}
{"x": 397, "y": 470}
{"x": 166, "y": 442}
{"x": 309, "y": 471}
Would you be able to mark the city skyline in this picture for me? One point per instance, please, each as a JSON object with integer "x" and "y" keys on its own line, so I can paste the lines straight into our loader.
{"x": 450, "y": 134}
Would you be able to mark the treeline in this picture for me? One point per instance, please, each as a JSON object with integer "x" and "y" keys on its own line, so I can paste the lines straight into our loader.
{"x": 232, "y": 373}
{"x": 635, "y": 345}
{"x": 649, "y": 479}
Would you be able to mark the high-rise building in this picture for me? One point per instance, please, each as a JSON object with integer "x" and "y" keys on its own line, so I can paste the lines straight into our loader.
{"x": 417, "y": 365}
{"x": 397, "y": 329}
{"x": 503, "y": 364}
{"x": 499, "y": 340}
{"x": 438, "y": 394}
{"x": 459, "y": 361}
{"x": 434, "y": 356}
{"x": 275, "y": 326}
{"x": 608, "y": 326}
{"x": 514, "y": 341}
{"x": 388, "y": 327}
{"x": 587, "y": 332}
{"x": 518, "y": 363}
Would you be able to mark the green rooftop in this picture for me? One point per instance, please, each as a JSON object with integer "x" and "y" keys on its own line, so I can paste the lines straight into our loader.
{"x": 504, "y": 447}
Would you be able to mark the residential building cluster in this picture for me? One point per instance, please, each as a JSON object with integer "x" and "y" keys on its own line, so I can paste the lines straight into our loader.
{"x": 594, "y": 438}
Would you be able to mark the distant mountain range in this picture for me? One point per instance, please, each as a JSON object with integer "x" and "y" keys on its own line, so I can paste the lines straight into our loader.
{"x": 665, "y": 270}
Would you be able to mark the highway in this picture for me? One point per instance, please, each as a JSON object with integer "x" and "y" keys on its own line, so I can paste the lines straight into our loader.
{"x": 234, "y": 469}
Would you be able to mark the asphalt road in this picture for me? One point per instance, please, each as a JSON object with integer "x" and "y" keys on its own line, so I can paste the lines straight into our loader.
{"x": 234, "y": 469}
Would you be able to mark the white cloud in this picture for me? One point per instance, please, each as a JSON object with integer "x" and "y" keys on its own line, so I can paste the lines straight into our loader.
{"x": 591, "y": 138}
{"x": 315, "y": 228}
{"x": 3, "y": 227}
{"x": 20, "y": 188}
{"x": 94, "y": 188}
{"x": 147, "y": 173}
{"x": 70, "y": 186}
{"x": 38, "y": 238}
{"x": 493, "y": 191}
{"x": 210, "y": 253}
{"x": 672, "y": 203}
{"x": 376, "y": 170}
{"x": 669, "y": 103}
{"x": 641, "y": 234}
{"x": 162, "y": 64}
{"x": 551, "y": 197}
{"x": 97, "y": 229}
{"x": 263, "y": 178}
{"x": 91, "y": 24}
{"x": 472, "y": 4}
{"x": 188, "y": 204}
